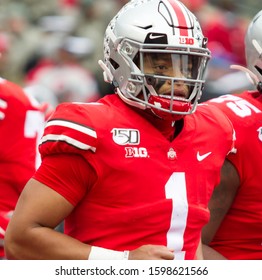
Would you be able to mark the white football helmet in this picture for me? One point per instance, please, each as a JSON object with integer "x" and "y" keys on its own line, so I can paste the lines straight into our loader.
{"x": 146, "y": 30}
{"x": 253, "y": 48}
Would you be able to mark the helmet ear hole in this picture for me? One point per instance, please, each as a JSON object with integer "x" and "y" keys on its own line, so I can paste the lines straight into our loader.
{"x": 136, "y": 60}
{"x": 114, "y": 63}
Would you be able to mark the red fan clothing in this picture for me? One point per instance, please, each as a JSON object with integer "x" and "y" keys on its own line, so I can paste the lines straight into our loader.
{"x": 21, "y": 126}
{"x": 130, "y": 185}
{"x": 240, "y": 234}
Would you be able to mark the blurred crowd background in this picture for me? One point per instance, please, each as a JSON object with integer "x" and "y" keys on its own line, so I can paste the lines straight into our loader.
{"x": 51, "y": 47}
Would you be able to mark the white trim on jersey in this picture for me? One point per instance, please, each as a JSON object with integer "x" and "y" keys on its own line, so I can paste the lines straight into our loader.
{"x": 72, "y": 125}
{"x": 69, "y": 140}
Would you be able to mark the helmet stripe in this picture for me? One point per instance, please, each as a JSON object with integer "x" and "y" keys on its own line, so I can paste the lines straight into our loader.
{"x": 182, "y": 22}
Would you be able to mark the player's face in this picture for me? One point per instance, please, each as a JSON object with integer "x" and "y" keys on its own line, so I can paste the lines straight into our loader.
{"x": 169, "y": 65}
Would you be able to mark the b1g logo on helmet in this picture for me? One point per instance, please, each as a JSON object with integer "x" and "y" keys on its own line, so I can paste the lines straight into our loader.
{"x": 186, "y": 41}
{"x": 125, "y": 136}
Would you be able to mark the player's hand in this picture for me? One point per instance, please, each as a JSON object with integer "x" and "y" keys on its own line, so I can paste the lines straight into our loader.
{"x": 151, "y": 252}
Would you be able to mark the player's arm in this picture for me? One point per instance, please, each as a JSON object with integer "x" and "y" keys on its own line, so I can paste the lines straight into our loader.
{"x": 199, "y": 251}
{"x": 31, "y": 234}
{"x": 211, "y": 254}
{"x": 219, "y": 205}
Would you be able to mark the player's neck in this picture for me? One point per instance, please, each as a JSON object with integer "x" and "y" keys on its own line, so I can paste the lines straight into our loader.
{"x": 168, "y": 128}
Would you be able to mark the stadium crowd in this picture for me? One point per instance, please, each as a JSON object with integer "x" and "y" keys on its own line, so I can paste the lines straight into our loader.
{"x": 41, "y": 43}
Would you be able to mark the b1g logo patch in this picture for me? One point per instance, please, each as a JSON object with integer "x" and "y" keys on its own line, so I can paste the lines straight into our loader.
{"x": 125, "y": 136}
{"x": 136, "y": 152}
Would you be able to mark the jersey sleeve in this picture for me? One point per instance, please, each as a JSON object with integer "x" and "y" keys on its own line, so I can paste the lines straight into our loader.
{"x": 223, "y": 122}
{"x": 68, "y": 130}
{"x": 68, "y": 136}
{"x": 68, "y": 174}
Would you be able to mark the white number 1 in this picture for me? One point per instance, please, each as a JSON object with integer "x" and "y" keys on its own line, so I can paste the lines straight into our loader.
{"x": 175, "y": 189}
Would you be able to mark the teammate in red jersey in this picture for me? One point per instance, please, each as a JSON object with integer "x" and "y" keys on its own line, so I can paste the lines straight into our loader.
{"x": 21, "y": 126}
{"x": 131, "y": 174}
{"x": 235, "y": 228}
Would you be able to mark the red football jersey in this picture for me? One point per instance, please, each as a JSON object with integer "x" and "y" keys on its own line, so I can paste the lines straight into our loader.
{"x": 21, "y": 127}
{"x": 147, "y": 190}
{"x": 240, "y": 234}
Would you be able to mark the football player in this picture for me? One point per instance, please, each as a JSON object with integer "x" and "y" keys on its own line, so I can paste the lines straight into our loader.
{"x": 235, "y": 228}
{"x": 22, "y": 122}
{"x": 131, "y": 174}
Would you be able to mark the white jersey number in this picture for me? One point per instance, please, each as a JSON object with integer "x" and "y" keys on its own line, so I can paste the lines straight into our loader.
{"x": 239, "y": 106}
{"x": 175, "y": 189}
{"x": 34, "y": 127}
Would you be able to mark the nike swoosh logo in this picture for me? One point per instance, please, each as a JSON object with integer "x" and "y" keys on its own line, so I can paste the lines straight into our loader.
{"x": 152, "y": 37}
{"x": 202, "y": 157}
